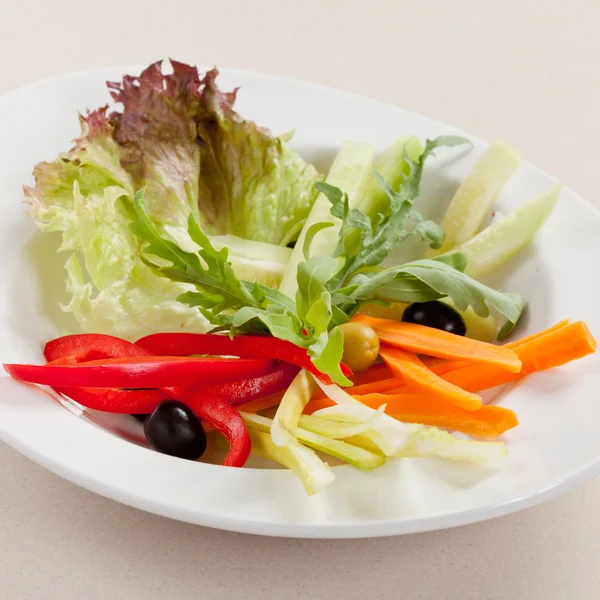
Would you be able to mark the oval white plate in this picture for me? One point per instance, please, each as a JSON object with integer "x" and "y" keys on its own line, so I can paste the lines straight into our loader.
{"x": 556, "y": 446}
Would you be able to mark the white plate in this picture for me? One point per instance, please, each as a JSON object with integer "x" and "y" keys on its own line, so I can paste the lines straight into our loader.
{"x": 556, "y": 447}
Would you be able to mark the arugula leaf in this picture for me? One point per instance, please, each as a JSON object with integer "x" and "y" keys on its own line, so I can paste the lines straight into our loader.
{"x": 431, "y": 279}
{"x": 326, "y": 355}
{"x": 310, "y": 235}
{"x": 377, "y": 237}
{"x": 235, "y": 305}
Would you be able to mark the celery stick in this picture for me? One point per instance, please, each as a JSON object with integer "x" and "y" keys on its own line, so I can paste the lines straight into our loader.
{"x": 283, "y": 429}
{"x": 350, "y": 172}
{"x": 474, "y": 198}
{"x": 308, "y": 467}
{"x": 500, "y": 241}
{"x": 358, "y": 457}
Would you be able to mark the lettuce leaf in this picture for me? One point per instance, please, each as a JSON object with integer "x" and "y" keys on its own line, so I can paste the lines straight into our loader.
{"x": 178, "y": 137}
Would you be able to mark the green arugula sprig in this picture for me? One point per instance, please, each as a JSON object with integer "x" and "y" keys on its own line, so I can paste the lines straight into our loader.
{"x": 330, "y": 289}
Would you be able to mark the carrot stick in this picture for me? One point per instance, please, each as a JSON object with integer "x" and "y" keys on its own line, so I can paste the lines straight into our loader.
{"x": 548, "y": 351}
{"x": 487, "y": 421}
{"x": 534, "y": 336}
{"x": 372, "y": 377}
{"x": 413, "y": 371}
{"x": 551, "y": 348}
{"x": 375, "y": 373}
{"x": 441, "y": 344}
{"x": 441, "y": 368}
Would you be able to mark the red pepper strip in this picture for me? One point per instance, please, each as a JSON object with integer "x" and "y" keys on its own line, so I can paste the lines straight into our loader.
{"x": 142, "y": 372}
{"x": 246, "y": 346}
{"x": 133, "y": 402}
{"x": 240, "y": 392}
{"x": 91, "y": 346}
{"x": 225, "y": 419}
{"x": 137, "y": 401}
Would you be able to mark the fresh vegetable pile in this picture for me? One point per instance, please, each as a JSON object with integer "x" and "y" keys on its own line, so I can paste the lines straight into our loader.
{"x": 177, "y": 215}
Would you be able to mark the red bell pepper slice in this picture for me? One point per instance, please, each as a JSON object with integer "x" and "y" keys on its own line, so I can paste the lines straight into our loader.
{"x": 141, "y": 372}
{"x": 137, "y": 401}
{"x": 244, "y": 390}
{"x": 91, "y": 346}
{"x": 133, "y": 402}
{"x": 225, "y": 419}
{"x": 245, "y": 346}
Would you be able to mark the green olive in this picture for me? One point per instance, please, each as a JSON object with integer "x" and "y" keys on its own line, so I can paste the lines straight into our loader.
{"x": 361, "y": 346}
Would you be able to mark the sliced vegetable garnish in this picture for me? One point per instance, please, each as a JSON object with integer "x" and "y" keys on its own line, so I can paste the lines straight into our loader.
{"x": 141, "y": 372}
{"x": 360, "y": 458}
{"x": 441, "y": 344}
{"x": 474, "y": 198}
{"x": 408, "y": 366}
{"x": 225, "y": 419}
{"x": 308, "y": 467}
{"x": 285, "y": 423}
{"x": 340, "y": 430}
{"x": 397, "y": 439}
{"x": 244, "y": 391}
{"x": 91, "y": 346}
{"x": 488, "y": 421}
{"x": 350, "y": 171}
{"x": 130, "y": 402}
{"x": 485, "y": 454}
{"x": 245, "y": 346}
{"x": 499, "y": 242}
{"x": 554, "y": 349}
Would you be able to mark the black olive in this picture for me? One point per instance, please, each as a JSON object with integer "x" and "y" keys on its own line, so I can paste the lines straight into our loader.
{"x": 174, "y": 429}
{"x": 435, "y": 314}
{"x": 141, "y": 418}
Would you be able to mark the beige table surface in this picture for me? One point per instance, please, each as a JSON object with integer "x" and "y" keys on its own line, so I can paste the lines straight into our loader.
{"x": 524, "y": 70}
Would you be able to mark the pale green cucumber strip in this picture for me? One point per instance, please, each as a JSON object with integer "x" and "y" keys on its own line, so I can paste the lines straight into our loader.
{"x": 391, "y": 165}
{"x": 350, "y": 172}
{"x": 251, "y": 260}
{"x": 474, "y": 198}
{"x": 358, "y": 457}
{"x": 499, "y": 242}
{"x": 307, "y": 466}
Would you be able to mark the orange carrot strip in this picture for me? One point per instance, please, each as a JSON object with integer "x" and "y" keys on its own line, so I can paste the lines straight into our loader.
{"x": 546, "y": 352}
{"x": 376, "y": 387}
{"x": 375, "y": 373}
{"x": 534, "y": 336}
{"x": 441, "y": 367}
{"x": 441, "y": 344}
{"x": 552, "y": 348}
{"x": 413, "y": 371}
{"x": 487, "y": 421}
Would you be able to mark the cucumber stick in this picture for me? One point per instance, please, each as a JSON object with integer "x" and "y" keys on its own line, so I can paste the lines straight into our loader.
{"x": 500, "y": 241}
{"x": 474, "y": 198}
{"x": 390, "y": 164}
{"x": 350, "y": 172}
